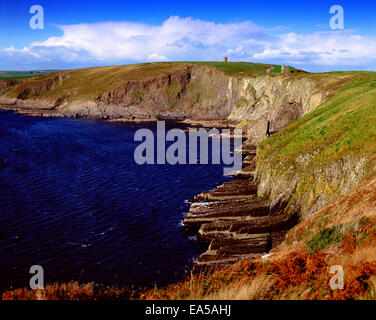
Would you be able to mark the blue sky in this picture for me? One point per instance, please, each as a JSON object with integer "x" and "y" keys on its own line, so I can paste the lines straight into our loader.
{"x": 91, "y": 33}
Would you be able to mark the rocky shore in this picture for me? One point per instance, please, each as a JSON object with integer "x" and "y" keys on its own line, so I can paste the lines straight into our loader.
{"x": 38, "y": 111}
{"x": 234, "y": 223}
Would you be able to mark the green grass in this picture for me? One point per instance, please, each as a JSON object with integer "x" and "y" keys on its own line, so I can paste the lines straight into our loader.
{"x": 138, "y": 94}
{"x": 10, "y": 75}
{"x": 24, "y": 77}
{"x": 241, "y": 68}
{"x": 341, "y": 129}
{"x": 346, "y": 122}
{"x": 89, "y": 83}
{"x": 324, "y": 238}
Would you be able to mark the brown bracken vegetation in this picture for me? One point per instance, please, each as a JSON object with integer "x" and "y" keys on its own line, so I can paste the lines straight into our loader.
{"x": 69, "y": 291}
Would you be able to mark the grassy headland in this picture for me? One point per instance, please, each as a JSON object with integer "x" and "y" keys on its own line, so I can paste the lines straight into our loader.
{"x": 90, "y": 83}
{"x": 10, "y": 75}
{"x": 330, "y": 150}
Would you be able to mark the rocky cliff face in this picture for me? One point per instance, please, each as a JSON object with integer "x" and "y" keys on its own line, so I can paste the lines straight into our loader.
{"x": 323, "y": 155}
{"x": 258, "y": 104}
{"x": 197, "y": 93}
{"x": 271, "y": 103}
{"x": 310, "y": 188}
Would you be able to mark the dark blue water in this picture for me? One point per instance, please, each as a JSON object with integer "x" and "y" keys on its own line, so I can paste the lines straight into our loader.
{"x": 73, "y": 200}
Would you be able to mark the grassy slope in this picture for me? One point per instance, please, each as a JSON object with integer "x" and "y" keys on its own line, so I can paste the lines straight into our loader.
{"x": 242, "y": 69}
{"x": 9, "y": 75}
{"x": 344, "y": 126}
{"x": 89, "y": 83}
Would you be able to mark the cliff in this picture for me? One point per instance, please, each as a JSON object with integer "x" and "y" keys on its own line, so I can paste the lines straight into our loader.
{"x": 326, "y": 153}
{"x": 241, "y": 93}
{"x": 302, "y": 195}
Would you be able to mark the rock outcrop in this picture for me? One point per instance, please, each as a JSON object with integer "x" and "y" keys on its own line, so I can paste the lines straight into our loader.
{"x": 235, "y": 223}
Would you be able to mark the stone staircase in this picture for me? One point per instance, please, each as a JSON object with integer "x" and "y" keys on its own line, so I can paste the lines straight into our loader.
{"x": 234, "y": 222}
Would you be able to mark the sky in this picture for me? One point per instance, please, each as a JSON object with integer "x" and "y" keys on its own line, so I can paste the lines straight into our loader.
{"x": 90, "y": 33}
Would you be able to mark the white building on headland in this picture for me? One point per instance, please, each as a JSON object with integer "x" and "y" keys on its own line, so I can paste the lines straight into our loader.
{"x": 284, "y": 69}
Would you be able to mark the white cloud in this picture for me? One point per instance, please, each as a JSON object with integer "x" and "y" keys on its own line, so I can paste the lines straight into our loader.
{"x": 155, "y": 57}
{"x": 189, "y": 39}
{"x": 330, "y": 48}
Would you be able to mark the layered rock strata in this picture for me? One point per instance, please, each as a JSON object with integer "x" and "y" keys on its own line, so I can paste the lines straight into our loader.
{"x": 234, "y": 222}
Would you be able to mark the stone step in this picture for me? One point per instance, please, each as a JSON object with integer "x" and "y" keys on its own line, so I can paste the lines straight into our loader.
{"x": 214, "y": 197}
{"x": 243, "y": 175}
{"x": 246, "y": 150}
{"x": 214, "y": 235}
{"x": 232, "y": 182}
{"x": 227, "y": 214}
{"x": 244, "y": 226}
{"x": 253, "y": 244}
{"x": 218, "y": 216}
{"x": 210, "y": 264}
{"x": 235, "y": 189}
{"x": 249, "y": 169}
{"x": 226, "y": 197}
{"x": 199, "y": 222}
{"x": 228, "y": 251}
{"x": 253, "y": 207}
{"x": 250, "y": 160}
{"x": 264, "y": 224}
{"x": 235, "y": 184}
{"x": 234, "y": 222}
